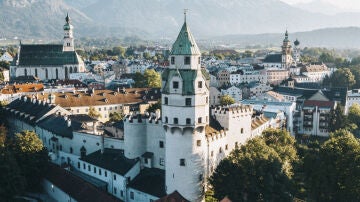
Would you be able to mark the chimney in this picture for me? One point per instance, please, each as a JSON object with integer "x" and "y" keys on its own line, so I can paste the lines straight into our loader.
{"x": 68, "y": 121}
{"x": 94, "y": 128}
{"x": 102, "y": 143}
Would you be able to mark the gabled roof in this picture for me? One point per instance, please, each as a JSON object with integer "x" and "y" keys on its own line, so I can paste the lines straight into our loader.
{"x": 173, "y": 197}
{"x": 112, "y": 159}
{"x": 46, "y": 54}
{"x": 76, "y": 187}
{"x": 185, "y": 43}
{"x": 150, "y": 181}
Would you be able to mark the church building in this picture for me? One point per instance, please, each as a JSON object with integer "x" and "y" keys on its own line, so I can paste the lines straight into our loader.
{"x": 48, "y": 61}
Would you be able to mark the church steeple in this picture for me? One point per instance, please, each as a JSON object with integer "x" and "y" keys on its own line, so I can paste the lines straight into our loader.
{"x": 68, "y": 35}
{"x": 286, "y": 58}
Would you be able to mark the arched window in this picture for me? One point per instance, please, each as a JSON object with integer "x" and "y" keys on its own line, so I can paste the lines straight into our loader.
{"x": 71, "y": 70}
{"x": 25, "y": 72}
{"x": 57, "y": 73}
{"x": 82, "y": 151}
{"x": 66, "y": 73}
{"x": 75, "y": 70}
{"x": 46, "y": 74}
{"x": 36, "y": 73}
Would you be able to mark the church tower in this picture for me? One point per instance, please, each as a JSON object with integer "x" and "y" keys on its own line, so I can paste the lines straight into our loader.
{"x": 68, "y": 35}
{"x": 286, "y": 58}
{"x": 297, "y": 51}
{"x": 185, "y": 114}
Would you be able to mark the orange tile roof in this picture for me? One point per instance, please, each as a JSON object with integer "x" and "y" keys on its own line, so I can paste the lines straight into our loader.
{"x": 22, "y": 88}
{"x": 103, "y": 97}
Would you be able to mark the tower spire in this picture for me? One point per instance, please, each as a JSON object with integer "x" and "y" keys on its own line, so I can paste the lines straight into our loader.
{"x": 185, "y": 12}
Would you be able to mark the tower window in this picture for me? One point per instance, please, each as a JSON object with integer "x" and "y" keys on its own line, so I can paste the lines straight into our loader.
{"x": 198, "y": 143}
{"x": 166, "y": 100}
{"x": 188, "y": 121}
{"x": 199, "y": 60}
{"x": 172, "y": 60}
{"x": 242, "y": 130}
{"x": 182, "y": 162}
{"x": 188, "y": 101}
{"x": 161, "y": 144}
{"x": 68, "y": 44}
{"x": 166, "y": 119}
{"x": 175, "y": 84}
{"x": 187, "y": 60}
{"x": 199, "y": 120}
{"x": 200, "y": 84}
{"x": 176, "y": 120}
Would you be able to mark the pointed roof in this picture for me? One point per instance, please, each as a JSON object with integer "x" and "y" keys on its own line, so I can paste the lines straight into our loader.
{"x": 185, "y": 43}
{"x": 67, "y": 25}
{"x": 286, "y": 36}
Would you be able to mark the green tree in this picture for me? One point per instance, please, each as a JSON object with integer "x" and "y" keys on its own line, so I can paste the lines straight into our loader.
{"x": 226, "y": 100}
{"x": 342, "y": 77}
{"x": 338, "y": 119}
{"x": 154, "y": 107}
{"x": 139, "y": 80}
{"x": 354, "y": 114}
{"x": 333, "y": 172}
{"x": 326, "y": 57}
{"x": 115, "y": 116}
{"x": 152, "y": 78}
{"x": 94, "y": 113}
{"x": 33, "y": 157}
{"x": 119, "y": 51}
{"x": 284, "y": 144}
{"x": 252, "y": 173}
{"x": 12, "y": 182}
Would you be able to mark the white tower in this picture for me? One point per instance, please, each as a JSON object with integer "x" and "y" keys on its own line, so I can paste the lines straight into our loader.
{"x": 68, "y": 35}
{"x": 286, "y": 58}
{"x": 185, "y": 114}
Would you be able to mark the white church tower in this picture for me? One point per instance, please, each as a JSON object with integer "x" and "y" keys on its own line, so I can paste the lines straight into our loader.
{"x": 185, "y": 114}
{"x": 286, "y": 57}
{"x": 68, "y": 35}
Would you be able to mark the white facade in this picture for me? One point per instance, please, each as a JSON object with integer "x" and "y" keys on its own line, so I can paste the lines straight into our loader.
{"x": 243, "y": 76}
{"x": 352, "y": 98}
{"x": 234, "y": 92}
{"x": 259, "y": 89}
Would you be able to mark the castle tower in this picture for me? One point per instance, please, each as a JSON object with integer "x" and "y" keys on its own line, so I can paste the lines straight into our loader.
{"x": 68, "y": 35}
{"x": 185, "y": 114}
{"x": 286, "y": 58}
{"x": 297, "y": 51}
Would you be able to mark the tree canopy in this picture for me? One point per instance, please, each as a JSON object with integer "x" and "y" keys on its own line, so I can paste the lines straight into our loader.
{"x": 150, "y": 79}
{"x": 94, "y": 113}
{"x": 115, "y": 116}
{"x": 226, "y": 100}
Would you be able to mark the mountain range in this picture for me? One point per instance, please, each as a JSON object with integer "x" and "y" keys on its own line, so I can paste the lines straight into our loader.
{"x": 161, "y": 19}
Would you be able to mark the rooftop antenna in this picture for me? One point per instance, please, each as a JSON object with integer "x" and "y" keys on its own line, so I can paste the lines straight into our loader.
{"x": 185, "y": 11}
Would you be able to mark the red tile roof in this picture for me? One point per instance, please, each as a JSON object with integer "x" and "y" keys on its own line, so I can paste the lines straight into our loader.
{"x": 316, "y": 103}
{"x": 22, "y": 88}
{"x": 173, "y": 197}
{"x": 76, "y": 187}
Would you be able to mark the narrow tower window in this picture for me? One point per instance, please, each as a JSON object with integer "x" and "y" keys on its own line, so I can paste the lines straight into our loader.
{"x": 187, "y": 60}
{"x": 182, "y": 162}
{"x": 176, "y": 120}
{"x": 175, "y": 84}
{"x": 200, "y": 84}
{"x": 188, "y": 101}
{"x": 173, "y": 60}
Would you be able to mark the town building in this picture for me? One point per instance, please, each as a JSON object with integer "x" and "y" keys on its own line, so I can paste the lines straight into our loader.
{"x": 234, "y": 92}
{"x": 353, "y": 97}
{"x": 276, "y": 75}
{"x": 48, "y": 61}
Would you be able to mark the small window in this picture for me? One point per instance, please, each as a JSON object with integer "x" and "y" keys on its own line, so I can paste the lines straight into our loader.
{"x": 146, "y": 161}
{"x": 207, "y": 100}
{"x": 115, "y": 190}
{"x": 198, "y": 143}
{"x": 176, "y": 120}
{"x": 84, "y": 166}
{"x": 242, "y": 130}
{"x": 200, "y": 84}
{"x": 187, "y": 60}
{"x": 122, "y": 193}
{"x": 212, "y": 153}
{"x": 199, "y": 60}
{"x": 199, "y": 120}
{"x": 166, "y": 119}
{"x": 94, "y": 170}
{"x": 162, "y": 161}
{"x": 172, "y": 60}
{"x": 89, "y": 168}
{"x": 220, "y": 150}
{"x": 161, "y": 144}
{"x": 114, "y": 177}
{"x": 188, "y": 101}
{"x": 182, "y": 162}
{"x": 105, "y": 173}
{"x": 99, "y": 171}
{"x": 226, "y": 147}
{"x": 78, "y": 165}
{"x": 175, "y": 84}
{"x": 166, "y": 100}
{"x": 188, "y": 121}
{"x": 132, "y": 195}
{"x": 71, "y": 150}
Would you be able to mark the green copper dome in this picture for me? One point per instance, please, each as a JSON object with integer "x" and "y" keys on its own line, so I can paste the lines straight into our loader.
{"x": 67, "y": 26}
{"x": 185, "y": 43}
{"x": 286, "y": 37}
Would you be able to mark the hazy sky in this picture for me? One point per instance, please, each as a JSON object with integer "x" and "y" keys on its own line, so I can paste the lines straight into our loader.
{"x": 344, "y": 4}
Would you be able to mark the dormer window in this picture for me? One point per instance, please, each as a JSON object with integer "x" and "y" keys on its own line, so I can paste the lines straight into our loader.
{"x": 175, "y": 84}
{"x": 173, "y": 60}
{"x": 187, "y": 60}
